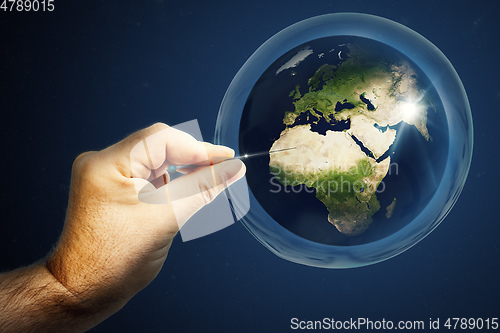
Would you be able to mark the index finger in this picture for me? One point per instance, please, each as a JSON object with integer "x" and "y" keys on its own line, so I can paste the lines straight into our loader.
{"x": 150, "y": 151}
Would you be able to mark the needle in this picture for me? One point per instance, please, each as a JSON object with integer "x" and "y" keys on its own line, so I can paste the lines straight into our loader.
{"x": 173, "y": 168}
{"x": 261, "y": 153}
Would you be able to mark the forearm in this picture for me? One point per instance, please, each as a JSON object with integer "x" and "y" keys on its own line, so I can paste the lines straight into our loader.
{"x": 33, "y": 300}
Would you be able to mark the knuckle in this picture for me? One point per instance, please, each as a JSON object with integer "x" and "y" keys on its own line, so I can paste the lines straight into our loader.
{"x": 207, "y": 191}
{"x": 86, "y": 164}
{"x": 89, "y": 177}
{"x": 146, "y": 132}
{"x": 156, "y": 128}
{"x": 83, "y": 160}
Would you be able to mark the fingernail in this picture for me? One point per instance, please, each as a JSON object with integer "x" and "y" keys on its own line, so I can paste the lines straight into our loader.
{"x": 225, "y": 151}
{"x": 231, "y": 170}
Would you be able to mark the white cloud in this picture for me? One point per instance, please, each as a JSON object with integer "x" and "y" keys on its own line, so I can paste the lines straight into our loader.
{"x": 296, "y": 59}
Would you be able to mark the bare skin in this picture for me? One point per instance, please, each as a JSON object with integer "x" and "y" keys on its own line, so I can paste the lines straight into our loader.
{"x": 112, "y": 245}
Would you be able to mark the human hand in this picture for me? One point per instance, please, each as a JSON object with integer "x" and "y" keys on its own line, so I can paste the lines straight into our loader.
{"x": 112, "y": 244}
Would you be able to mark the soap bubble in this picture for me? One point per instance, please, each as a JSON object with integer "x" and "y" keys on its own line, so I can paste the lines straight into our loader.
{"x": 310, "y": 81}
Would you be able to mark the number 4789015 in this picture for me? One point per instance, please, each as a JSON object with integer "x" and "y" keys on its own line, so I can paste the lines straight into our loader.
{"x": 27, "y": 6}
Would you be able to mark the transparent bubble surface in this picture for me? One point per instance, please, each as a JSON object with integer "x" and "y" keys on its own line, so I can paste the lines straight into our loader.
{"x": 285, "y": 86}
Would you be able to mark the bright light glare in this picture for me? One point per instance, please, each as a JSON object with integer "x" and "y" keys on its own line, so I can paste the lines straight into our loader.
{"x": 410, "y": 111}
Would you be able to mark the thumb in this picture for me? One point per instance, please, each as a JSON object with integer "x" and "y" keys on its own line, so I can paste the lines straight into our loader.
{"x": 191, "y": 192}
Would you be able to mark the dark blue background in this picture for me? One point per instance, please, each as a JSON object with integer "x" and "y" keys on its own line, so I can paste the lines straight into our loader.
{"x": 90, "y": 73}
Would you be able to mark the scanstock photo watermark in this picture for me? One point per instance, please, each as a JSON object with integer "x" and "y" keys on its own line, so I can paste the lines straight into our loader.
{"x": 458, "y": 324}
{"x": 312, "y": 179}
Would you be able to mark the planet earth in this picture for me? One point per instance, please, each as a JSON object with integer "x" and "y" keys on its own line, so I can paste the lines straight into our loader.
{"x": 357, "y": 140}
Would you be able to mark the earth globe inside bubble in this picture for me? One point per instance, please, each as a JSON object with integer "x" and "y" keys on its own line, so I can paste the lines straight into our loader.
{"x": 357, "y": 135}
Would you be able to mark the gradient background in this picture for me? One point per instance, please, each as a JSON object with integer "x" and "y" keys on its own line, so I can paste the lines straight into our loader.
{"x": 92, "y": 72}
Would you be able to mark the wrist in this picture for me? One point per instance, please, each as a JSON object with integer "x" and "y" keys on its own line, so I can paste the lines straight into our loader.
{"x": 90, "y": 293}
{"x": 34, "y": 300}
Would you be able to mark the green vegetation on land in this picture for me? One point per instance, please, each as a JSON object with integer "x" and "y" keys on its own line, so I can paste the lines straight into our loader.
{"x": 348, "y": 194}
